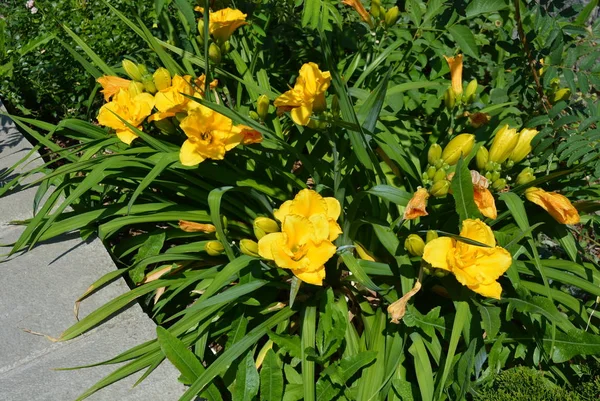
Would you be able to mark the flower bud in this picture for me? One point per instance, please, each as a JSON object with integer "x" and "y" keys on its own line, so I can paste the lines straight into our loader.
{"x": 214, "y": 248}
{"x": 561, "y": 94}
{"x": 143, "y": 70}
{"x": 414, "y": 245}
{"x": 440, "y": 188}
{"x": 391, "y": 16}
{"x": 254, "y": 115}
{"x": 225, "y": 47}
{"x": 162, "y": 78}
{"x": 263, "y": 226}
{"x": 459, "y": 146}
{"x": 214, "y": 53}
{"x": 375, "y": 9}
{"x": 499, "y": 184}
{"x": 504, "y": 142}
{"x": 262, "y": 106}
{"x": 434, "y": 154}
{"x": 249, "y": 247}
{"x": 525, "y": 176}
{"x": 440, "y": 273}
{"x": 431, "y": 235}
{"x": 481, "y": 158}
{"x": 509, "y": 164}
{"x": 495, "y": 176}
{"x": 523, "y": 147}
{"x": 430, "y": 173}
{"x": 201, "y": 28}
{"x": 149, "y": 85}
{"x": 470, "y": 92}
{"x": 132, "y": 70}
{"x": 439, "y": 175}
{"x": 449, "y": 99}
{"x": 135, "y": 88}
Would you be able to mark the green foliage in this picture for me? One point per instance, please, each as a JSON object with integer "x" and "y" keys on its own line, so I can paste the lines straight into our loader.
{"x": 237, "y": 326}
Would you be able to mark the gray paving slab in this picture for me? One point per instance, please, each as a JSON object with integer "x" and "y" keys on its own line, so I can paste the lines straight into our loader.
{"x": 37, "y": 294}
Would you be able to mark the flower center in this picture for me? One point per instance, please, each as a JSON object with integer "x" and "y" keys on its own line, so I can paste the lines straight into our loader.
{"x": 206, "y": 137}
{"x": 298, "y": 251}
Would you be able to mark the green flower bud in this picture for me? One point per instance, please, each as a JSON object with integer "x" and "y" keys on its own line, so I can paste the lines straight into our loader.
{"x": 470, "y": 92}
{"x": 490, "y": 166}
{"x": 214, "y": 248}
{"x": 509, "y": 164}
{"x": 162, "y": 78}
{"x": 414, "y": 245}
{"x": 135, "y": 88}
{"x": 439, "y": 175}
{"x": 263, "y": 226}
{"x": 149, "y": 85}
{"x": 449, "y": 99}
{"x": 523, "y": 146}
{"x": 434, "y": 154}
{"x": 249, "y": 247}
{"x": 132, "y": 70}
{"x": 440, "y": 273}
{"x": 488, "y": 175}
{"x": 430, "y": 173}
{"x": 440, "y": 188}
{"x": 262, "y": 106}
{"x": 391, "y": 16}
{"x": 201, "y": 28}
{"x": 525, "y": 176}
{"x": 214, "y": 53}
{"x": 225, "y": 47}
{"x": 499, "y": 184}
{"x": 495, "y": 175}
{"x": 459, "y": 146}
{"x": 481, "y": 158}
{"x": 375, "y": 9}
{"x": 431, "y": 235}
{"x": 254, "y": 115}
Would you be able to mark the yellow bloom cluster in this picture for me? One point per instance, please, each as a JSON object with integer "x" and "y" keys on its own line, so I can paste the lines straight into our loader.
{"x": 307, "y": 96}
{"x": 474, "y": 266}
{"x": 308, "y": 227}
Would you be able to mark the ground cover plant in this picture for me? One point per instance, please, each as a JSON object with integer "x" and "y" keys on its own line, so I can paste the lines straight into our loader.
{"x": 327, "y": 199}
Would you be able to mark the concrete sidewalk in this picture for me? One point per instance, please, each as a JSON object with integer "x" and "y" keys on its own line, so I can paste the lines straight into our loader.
{"x": 37, "y": 294}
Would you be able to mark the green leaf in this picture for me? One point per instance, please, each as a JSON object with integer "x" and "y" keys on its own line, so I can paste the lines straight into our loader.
{"x": 246, "y": 380}
{"x": 478, "y": 7}
{"x": 180, "y": 356}
{"x": 163, "y": 162}
{"x": 584, "y": 15}
{"x": 574, "y": 342}
{"x": 464, "y": 38}
{"x": 151, "y": 247}
{"x": 369, "y": 111}
{"x": 422, "y": 367}
{"x": 271, "y": 378}
{"x": 91, "y": 54}
{"x": 490, "y": 320}
{"x": 392, "y": 194}
{"x": 357, "y": 271}
{"x": 287, "y": 342}
{"x": 308, "y": 341}
{"x": 462, "y": 190}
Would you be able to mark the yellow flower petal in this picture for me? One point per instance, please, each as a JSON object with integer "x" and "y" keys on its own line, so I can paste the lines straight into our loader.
{"x": 315, "y": 277}
{"x": 417, "y": 204}
{"x": 485, "y": 202}
{"x": 301, "y": 115}
{"x": 126, "y": 136}
{"x": 492, "y": 290}
{"x": 111, "y": 85}
{"x": 267, "y": 243}
{"x": 333, "y": 208}
{"x": 334, "y": 230}
{"x": 321, "y": 227}
{"x": 308, "y": 202}
{"x": 436, "y": 252}
{"x": 477, "y": 230}
{"x": 456, "y": 67}
{"x": 283, "y": 210}
{"x": 188, "y": 155}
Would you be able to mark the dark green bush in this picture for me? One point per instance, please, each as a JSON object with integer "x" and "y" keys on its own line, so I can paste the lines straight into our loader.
{"x": 528, "y": 384}
{"x": 37, "y": 74}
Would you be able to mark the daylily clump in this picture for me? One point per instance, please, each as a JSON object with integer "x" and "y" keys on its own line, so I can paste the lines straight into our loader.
{"x": 133, "y": 109}
{"x": 308, "y": 227}
{"x": 476, "y": 267}
{"x": 307, "y": 96}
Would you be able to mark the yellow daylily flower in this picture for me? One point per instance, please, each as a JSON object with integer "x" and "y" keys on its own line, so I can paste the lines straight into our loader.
{"x": 523, "y": 146}
{"x": 476, "y": 267}
{"x": 133, "y": 109}
{"x": 360, "y": 9}
{"x": 322, "y": 212}
{"x": 417, "y": 204}
{"x": 210, "y": 135}
{"x": 111, "y": 85}
{"x": 456, "y": 67}
{"x": 224, "y": 22}
{"x": 193, "y": 227}
{"x": 559, "y": 206}
{"x": 308, "y": 94}
{"x": 172, "y": 100}
{"x": 503, "y": 144}
{"x": 298, "y": 248}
